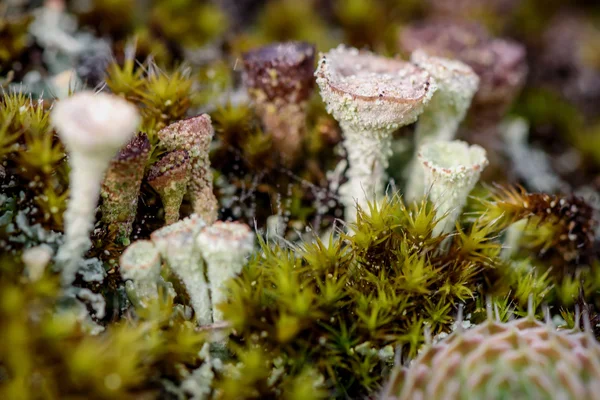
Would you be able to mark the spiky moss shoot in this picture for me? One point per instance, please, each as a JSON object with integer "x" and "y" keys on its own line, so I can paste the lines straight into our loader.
{"x": 194, "y": 135}
{"x": 523, "y": 358}
{"x": 140, "y": 263}
{"x": 559, "y": 227}
{"x": 32, "y": 155}
{"x": 279, "y": 78}
{"x": 343, "y": 306}
{"x": 121, "y": 187}
{"x": 25, "y": 129}
{"x": 371, "y": 97}
{"x": 162, "y": 97}
{"x": 170, "y": 177}
{"x": 224, "y": 247}
{"x": 177, "y": 246}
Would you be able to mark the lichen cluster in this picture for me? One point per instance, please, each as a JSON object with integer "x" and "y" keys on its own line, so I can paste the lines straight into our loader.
{"x": 346, "y": 199}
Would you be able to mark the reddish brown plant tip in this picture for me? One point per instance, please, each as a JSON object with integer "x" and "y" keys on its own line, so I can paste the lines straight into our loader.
{"x": 281, "y": 71}
{"x": 121, "y": 185}
{"x": 500, "y": 64}
{"x": 138, "y": 147}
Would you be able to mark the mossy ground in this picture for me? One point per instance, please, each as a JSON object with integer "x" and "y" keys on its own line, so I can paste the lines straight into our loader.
{"x": 321, "y": 309}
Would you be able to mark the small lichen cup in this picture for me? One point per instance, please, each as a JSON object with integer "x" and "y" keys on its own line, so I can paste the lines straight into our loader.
{"x": 194, "y": 135}
{"x": 177, "y": 246}
{"x": 169, "y": 177}
{"x": 140, "y": 264}
{"x": 224, "y": 247}
{"x": 456, "y": 85}
{"x": 451, "y": 171}
{"x": 279, "y": 78}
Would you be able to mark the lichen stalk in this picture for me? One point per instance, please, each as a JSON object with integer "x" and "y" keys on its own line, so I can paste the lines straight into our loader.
{"x": 93, "y": 127}
{"x": 224, "y": 247}
{"x": 286, "y": 125}
{"x": 368, "y": 157}
{"x": 121, "y": 186}
{"x": 85, "y": 177}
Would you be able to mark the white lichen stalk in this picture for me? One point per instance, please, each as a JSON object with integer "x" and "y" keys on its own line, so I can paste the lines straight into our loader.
{"x": 371, "y": 97}
{"x": 451, "y": 171}
{"x": 177, "y": 246}
{"x": 368, "y": 158}
{"x": 140, "y": 264}
{"x": 93, "y": 127}
{"x": 225, "y": 247}
{"x": 456, "y": 85}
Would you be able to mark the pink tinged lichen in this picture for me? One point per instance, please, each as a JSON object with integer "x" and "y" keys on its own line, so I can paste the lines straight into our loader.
{"x": 194, "y": 135}
{"x": 279, "y": 78}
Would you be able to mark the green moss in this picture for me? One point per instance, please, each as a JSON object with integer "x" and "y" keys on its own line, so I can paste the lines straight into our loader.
{"x": 322, "y": 304}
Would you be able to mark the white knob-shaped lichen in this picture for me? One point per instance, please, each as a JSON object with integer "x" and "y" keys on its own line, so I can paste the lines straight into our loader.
{"x": 140, "y": 263}
{"x": 456, "y": 85}
{"x": 93, "y": 127}
{"x": 177, "y": 246}
{"x": 371, "y": 97}
{"x": 451, "y": 171}
{"x": 36, "y": 259}
{"x": 224, "y": 246}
